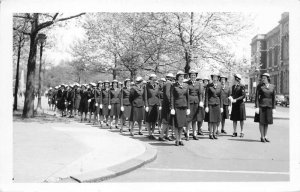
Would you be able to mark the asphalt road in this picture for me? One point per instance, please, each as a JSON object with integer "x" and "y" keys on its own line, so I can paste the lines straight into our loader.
{"x": 226, "y": 159}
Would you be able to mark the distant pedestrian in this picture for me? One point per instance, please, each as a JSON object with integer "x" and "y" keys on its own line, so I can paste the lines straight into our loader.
{"x": 238, "y": 111}
{"x": 265, "y": 106}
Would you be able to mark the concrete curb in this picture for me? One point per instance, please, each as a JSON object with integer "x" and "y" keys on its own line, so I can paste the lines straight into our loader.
{"x": 148, "y": 156}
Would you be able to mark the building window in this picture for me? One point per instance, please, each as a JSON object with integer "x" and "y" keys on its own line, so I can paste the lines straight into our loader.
{"x": 270, "y": 58}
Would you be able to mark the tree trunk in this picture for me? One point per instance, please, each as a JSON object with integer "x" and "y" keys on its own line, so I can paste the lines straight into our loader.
{"x": 28, "y": 110}
{"x": 114, "y": 71}
{"x": 17, "y": 79}
{"x": 187, "y": 62}
{"x": 39, "y": 104}
{"x": 133, "y": 74}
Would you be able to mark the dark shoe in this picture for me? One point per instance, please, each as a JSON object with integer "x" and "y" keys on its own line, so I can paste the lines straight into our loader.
{"x": 215, "y": 137}
{"x": 211, "y": 137}
{"x": 132, "y": 134}
{"x": 117, "y": 127}
{"x": 200, "y": 133}
{"x": 242, "y": 135}
{"x": 151, "y": 137}
{"x": 121, "y": 130}
{"x": 217, "y": 132}
{"x": 169, "y": 138}
{"x": 107, "y": 124}
{"x": 181, "y": 143}
{"x": 223, "y": 131}
{"x": 262, "y": 140}
{"x": 176, "y": 143}
{"x": 140, "y": 133}
{"x": 161, "y": 139}
{"x": 234, "y": 135}
{"x": 267, "y": 140}
{"x": 185, "y": 134}
{"x": 195, "y": 138}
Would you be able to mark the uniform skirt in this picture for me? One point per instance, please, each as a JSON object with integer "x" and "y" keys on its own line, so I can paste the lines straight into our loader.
{"x": 61, "y": 104}
{"x": 49, "y": 101}
{"x": 225, "y": 114}
{"x": 152, "y": 114}
{"x": 166, "y": 114}
{"x": 137, "y": 114}
{"x": 200, "y": 114}
{"x": 238, "y": 112}
{"x": 180, "y": 117}
{"x": 214, "y": 114}
{"x": 70, "y": 105}
{"x": 92, "y": 106}
{"x": 126, "y": 113}
{"x": 105, "y": 110}
{"x": 98, "y": 111}
{"x": 76, "y": 104}
{"x": 194, "y": 112}
{"x": 265, "y": 116}
{"x": 115, "y": 109}
{"x": 83, "y": 107}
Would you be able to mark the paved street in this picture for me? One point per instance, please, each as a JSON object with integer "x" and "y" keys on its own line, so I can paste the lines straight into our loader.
{"x": 225, "y": 159}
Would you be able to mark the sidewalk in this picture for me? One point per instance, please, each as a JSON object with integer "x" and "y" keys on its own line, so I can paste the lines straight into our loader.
{"x": 55, "y": 149}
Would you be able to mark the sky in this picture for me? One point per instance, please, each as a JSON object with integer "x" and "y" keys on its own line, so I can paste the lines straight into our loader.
{"x": 65, "y": 37}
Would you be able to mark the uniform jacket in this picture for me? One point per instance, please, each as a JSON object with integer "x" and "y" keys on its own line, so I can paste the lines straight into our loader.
{"x": 238, "y": 93}
{"x": 151, "y": 95}
{"x": 213, "y": 95}
{"x": 70, "y": 95}
{"x": 77, "y": 94}
{"x": 115, "y": 95}
{"x": 225, "y": 93}
{"x": 136, "y": 96}
{"x": 265, "y": 97}
{"x": 179, "y": 95}
{"x": 125, "y": 92}
{"x": 167, "y": 94}
{"x": 105, "y": 97}
{"x": 194, "y": 92}
{"x": 98, "y": 95}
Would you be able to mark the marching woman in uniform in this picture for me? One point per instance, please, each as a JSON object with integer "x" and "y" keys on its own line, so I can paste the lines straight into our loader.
{"x": 83, "y": 106}
{"x": 125, "y": 104}
{"x": 213, "y": 105}
{"x": 265, "y": 105}
{"x": 137, "y": 104}
{"x": 238, "y": 111}
{"x": 195, "y": 100}
{"x": 98, "y": 103}
{"x": 225, "y": 95}
{"x": 77, "y": 98}
{"x": 152, "y": 103}
{"x": 160, "y": 93}
{"x": 180, "y": 107}
{"x": 91, "y": 100}
{"x": 105, "y": 101}
{"x": 115, "y": 96}
{"x": 201, "y": 112}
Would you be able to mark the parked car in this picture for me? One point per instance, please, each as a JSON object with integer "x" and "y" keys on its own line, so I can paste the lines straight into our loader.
{"x": 286, "y": 101}
{"x": 279, "y": 99}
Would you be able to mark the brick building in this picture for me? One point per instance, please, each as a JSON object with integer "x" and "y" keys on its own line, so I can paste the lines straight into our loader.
{"x": 270, "y": 53}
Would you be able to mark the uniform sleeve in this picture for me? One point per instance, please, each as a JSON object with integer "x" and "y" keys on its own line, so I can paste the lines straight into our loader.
{"x": 187, "y": 97}
{"x": 257, "y": 96}
{"x": 273, "y": 98}
{"x": 109, "y": 96}
{"x": 168, "y": 91}
{"x": 131, "y": 95}
{"x": 172, "y": 96}
{"x": 243, "y": 94}
{"x": 121, "y": 95}
{"x": 206, "y": 96}
{"x": 200, "y": 93}
{"x": 145, "y": 95}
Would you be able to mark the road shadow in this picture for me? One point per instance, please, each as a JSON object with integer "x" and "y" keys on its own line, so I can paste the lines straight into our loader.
{"x": 245, "y": 140}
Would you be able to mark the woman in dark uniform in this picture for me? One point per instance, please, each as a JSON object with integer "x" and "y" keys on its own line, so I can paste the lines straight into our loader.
{"x": 77, "y": 98}
{"x": 195, "y": 100}
{"x": 91, "y": 100}
{"x": 61, "y": 96}
{"x": 83, "y": 107}
{"x": 180, "y": 107}
{"x": 160, "y": 93}
{"x": 137, "y": 104}
{"x": 225, "y": 95}
{"x": 105, "y": 101}
{"x": 115, "y": 96}
{"x": 98, "y": 103}
{"x": 213, "y": 105}
{"x": 265, "y": 105}
{"x": 125, "y": 104}
{"x": 205, "y": 83}
{"x": 238, "y": 111}
{"x": 152, "y": 103}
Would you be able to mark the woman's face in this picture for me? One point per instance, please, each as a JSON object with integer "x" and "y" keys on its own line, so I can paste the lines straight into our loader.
{"x": 106, "y": 85}
{"x": 215, "y": 78}
{"x": 180, "y": 78}
{"x": 223, "y": 81}
{"x": 264, "y": 79}
{"x": 193, "y": 76}
{"x": 115, "y": 85}
{"x": 127, "y": 84}
{"x": 205, "y": 82}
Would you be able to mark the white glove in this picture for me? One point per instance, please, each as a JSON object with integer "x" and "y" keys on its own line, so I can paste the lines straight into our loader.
{"x": 66, "y": 103}
{"x": 56, "y": 102}
{"x": 172, "y": 112}
{"x": 230, "y": 98}
{"x": 188, "y": 111}
{"x": 96, "y": 104}
{"x": 233, "y": 100}
{"x": 147, "y": 109}
{"x": 274, "y": 110}
{"x": 257, "y": 110}
{"x": 109, "y": 106}
{"x": 159, "y": 108}
{"x": 101, "y": 106}
{"x": 221, "y": 110}
{"x": 49, "y": 99}
{"x": 229, "y": 110}
{"x": 69, "y": 103}
{"x": 201, "y": 104}
{"x": 89, "y": 100}
{"x": 122, "y": 108}
{"x": 206, "y": 109}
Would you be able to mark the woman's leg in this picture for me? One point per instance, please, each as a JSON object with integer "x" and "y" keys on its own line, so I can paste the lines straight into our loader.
{"x": 242, "y": 128}
{"x": 234, "y": 127}
{"x": 261, "y": 130}
{"x": 266, "y": 132}
{"x": 140, "y": 126}
{"x": 116, "y": 121}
